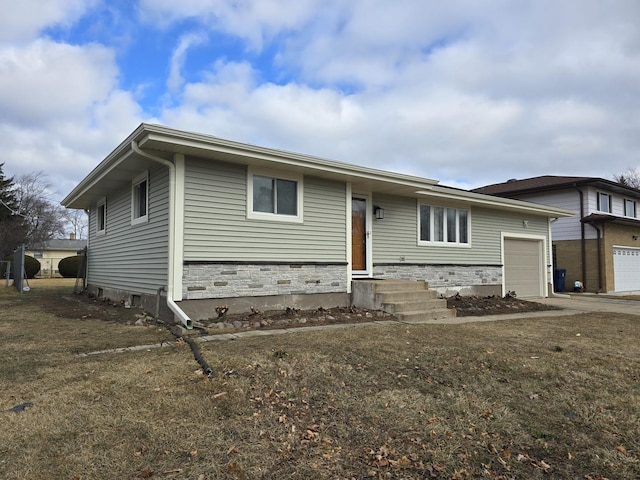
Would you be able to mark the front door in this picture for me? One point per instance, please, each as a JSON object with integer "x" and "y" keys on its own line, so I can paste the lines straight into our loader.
{"x": 358, "y": 234}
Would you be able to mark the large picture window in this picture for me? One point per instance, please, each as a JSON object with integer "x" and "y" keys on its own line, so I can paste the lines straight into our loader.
{"x": 277, "y": 197}
{"x": 443, "y": 224}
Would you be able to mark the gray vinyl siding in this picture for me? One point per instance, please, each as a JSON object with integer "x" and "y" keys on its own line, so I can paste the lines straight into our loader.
{"x": 567, "y": 228}
{"x": 132, "y": 257}
{"x": 216, "y": 227}
{"x": 395, "y": 238}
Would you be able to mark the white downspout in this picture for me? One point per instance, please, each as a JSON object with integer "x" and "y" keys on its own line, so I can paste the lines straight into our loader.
{"x": 173, "y": 306}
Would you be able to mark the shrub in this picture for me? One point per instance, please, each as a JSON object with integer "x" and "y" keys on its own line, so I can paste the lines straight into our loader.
{"x": 68, "y": 267}
{"x": 31, "y": 266}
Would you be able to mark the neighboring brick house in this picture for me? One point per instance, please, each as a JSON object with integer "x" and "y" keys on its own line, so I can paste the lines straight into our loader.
{"x": 600, "y": 246}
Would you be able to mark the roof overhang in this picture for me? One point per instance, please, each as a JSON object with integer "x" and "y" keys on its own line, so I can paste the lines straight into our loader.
{"x": 600, "y": 218}
{"x": 120, "y": 166}
{"x": 510, "y": 189}
{"x": 117, "y": 169}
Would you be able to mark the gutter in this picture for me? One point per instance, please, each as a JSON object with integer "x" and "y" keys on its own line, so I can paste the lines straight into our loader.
{"x": 173, "y": 306}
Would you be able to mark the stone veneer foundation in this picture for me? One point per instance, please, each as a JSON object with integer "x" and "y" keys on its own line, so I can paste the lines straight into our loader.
{"x": 447, "y": 279}
{"x": 225, "y": 280}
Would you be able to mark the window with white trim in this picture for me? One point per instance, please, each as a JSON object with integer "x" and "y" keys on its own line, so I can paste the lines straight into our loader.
{"x": 101, "y": 215}
{"x": 274, "y": 197}
{"x": 629, "y": 208}
{"x": 604, "y": 202}
{"x": 447, "y": 225}
{"x": 140, "y": 199}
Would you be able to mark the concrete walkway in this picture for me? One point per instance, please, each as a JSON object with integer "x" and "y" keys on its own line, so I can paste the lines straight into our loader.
{"x": 569, "y": 305}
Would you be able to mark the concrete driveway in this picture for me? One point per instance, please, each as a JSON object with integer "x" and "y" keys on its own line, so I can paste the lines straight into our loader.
{"x": 593, "y": 303}
{"x": 570, "y": 305}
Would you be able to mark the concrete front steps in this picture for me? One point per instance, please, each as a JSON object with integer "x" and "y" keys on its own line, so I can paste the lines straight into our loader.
{"x": 410, "y": 301}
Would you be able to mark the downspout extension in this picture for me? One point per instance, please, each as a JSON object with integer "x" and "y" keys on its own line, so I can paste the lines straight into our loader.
{"x": 173, "y": 306}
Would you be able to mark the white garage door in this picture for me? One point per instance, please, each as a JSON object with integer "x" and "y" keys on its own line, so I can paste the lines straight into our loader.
{"x": 523, "y": 267}
{"x": 626, "y": 268}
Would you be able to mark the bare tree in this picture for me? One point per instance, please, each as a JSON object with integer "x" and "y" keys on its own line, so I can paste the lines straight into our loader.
{"x": 77, "y": 220}
{"x": 37, "y": 218}
{"x": 629, "y": 178}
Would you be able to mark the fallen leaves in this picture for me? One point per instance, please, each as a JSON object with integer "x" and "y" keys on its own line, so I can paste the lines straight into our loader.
{"x": 385, "y": 459}
{"x": 621, "y": 449}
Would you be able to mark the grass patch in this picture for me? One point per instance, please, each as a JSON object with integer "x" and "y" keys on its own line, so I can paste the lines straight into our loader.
{"x": 509, "y": 399}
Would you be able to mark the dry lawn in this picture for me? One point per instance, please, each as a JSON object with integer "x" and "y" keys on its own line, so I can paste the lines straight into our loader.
{"x": 538, "y": 398}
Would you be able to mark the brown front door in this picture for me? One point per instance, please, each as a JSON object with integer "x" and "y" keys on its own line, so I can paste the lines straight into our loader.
{"x": 358, "y": 234}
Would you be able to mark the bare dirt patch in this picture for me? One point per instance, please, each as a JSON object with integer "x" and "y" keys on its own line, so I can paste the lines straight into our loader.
{"x": 82, "y": 306}
{"x": 467, "y": 306}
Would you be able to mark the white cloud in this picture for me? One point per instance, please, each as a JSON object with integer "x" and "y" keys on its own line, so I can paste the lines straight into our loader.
{"x": 252, "y": 20}
{"x": 62, "y": 110}
{"x": 46, "y": 82}
{"x": 23, "y": 20}
{"x": 175, "y": 80}
{"x": 465, "y": 92}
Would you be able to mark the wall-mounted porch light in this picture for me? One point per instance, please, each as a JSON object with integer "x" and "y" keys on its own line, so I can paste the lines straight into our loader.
{"x": 378, "y": 212}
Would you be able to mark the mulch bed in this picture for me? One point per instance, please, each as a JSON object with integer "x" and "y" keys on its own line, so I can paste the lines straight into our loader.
{"x": 84, "y": 307}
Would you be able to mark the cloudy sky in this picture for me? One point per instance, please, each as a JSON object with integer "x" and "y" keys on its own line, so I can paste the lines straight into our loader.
{"x": 467, "y": 92}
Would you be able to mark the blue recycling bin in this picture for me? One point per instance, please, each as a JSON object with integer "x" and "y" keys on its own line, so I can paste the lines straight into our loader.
{"x": 559, "y": 275}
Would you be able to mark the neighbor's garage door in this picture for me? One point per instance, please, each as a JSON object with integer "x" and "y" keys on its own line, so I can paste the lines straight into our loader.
{"x": 523, "y": 267}
{"x": 626, "y": 269}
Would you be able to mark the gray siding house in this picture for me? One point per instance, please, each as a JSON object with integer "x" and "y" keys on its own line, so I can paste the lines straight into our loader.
{"x": 185, "y": 217}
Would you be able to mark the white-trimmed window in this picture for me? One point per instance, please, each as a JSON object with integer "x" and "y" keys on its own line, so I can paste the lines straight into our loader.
{"x": 101, "y": 216}
{"x": 604, "y": 202}
{"x": 629, "y": 208}
{"x": 140, "y": 199}
{"x": 274, "y": 196}
{"x": 445, "y": 225}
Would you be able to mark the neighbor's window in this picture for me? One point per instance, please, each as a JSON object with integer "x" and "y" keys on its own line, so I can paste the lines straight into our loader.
{"x": 629, "y": 208}
{"x": 101, "y": 216}
{"x": 604, "y": 202}
{"x": 275, "y": 197}
{"x": 140, "y": 198}
{"x": 443, "y": 224}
